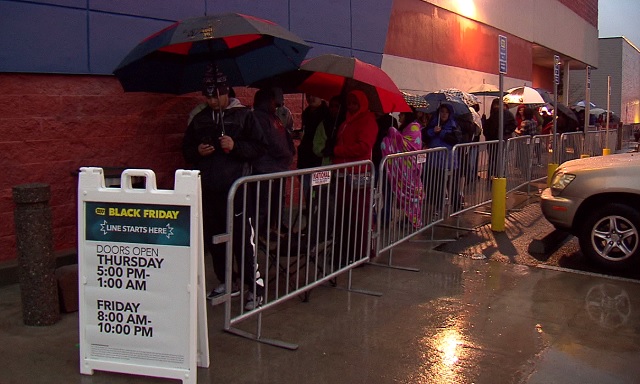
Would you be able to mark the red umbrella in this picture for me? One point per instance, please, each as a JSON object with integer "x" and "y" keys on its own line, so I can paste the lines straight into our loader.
{"x": 329, "y": 75}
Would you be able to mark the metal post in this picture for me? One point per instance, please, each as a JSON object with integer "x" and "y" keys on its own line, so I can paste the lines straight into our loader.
{"x": 587, "y": 106}
{"x": 501, "y": 131}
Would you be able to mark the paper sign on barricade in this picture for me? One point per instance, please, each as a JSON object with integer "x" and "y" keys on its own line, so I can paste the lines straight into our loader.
{"x": 141, "y": 276}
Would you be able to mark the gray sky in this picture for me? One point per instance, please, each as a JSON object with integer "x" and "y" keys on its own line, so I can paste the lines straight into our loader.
{"x": 619, "y": 18}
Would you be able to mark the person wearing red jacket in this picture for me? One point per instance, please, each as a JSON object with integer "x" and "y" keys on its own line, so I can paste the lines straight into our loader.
{"x": 354, "y": 142}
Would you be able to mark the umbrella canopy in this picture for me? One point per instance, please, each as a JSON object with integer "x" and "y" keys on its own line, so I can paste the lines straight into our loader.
{"x": 523, "y": 95}
{"x": 435, "y": 99}
{"x": 597, "y": 111}
{"x": 329, "y": 75}
{"x": 582, "y": 104}
{"x": 568, "y": 112}
{"x": 485, "y": 89}
{"x": 546, "y": 96}
{"x": 414, "y": 100}
{"x": 244, "y": 48}
{"x": 466, "y": 97}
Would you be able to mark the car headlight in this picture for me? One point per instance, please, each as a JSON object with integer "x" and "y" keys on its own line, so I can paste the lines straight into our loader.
{"x": 560, "y": 181}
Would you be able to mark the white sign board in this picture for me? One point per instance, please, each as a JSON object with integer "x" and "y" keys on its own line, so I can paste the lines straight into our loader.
{"x": 141, "y": 271}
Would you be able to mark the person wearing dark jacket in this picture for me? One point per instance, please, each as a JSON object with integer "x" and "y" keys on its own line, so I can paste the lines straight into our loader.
{"x": 491, "y": 131}
{"x": 490, "y": 127}
{"x": 443, "y": 131}
{"x": 222, "y": 141}
{"x": 277, "y": 158}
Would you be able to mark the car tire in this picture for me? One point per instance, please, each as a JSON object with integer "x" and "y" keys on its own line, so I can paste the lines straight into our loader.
{"x": 610, "y": 236}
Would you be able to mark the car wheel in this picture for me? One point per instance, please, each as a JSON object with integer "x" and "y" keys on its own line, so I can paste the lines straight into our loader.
{"x": 610, "y": 236}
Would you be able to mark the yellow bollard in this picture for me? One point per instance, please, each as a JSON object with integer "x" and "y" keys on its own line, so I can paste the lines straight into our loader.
{"x": 584, "y": 155}
{"x": 498, "y": 204}
{"x": 606, "y": 151}
{"x": 551, "y": 167}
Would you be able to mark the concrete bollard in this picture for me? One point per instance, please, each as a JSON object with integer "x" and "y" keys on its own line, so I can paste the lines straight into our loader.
{"x": 36, "y": 262}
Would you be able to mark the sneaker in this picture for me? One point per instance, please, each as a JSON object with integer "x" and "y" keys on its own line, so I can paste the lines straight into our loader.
{"x": 221, "y": 289}
{"x": 253, "y": 302}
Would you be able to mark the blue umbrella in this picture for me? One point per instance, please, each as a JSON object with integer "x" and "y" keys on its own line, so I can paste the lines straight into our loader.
{"x": 435, "y": 99}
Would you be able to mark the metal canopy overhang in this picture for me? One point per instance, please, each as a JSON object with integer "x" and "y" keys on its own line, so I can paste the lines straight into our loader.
{"x": 543, "y": 57}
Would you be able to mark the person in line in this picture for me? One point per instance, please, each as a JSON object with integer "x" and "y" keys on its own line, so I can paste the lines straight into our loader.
{"x": 325, "y": 136}
{"x": 354, "y": 142}
{"x": 282, "y": 111}
{"x": 404, "y": 174}
{"x": 491, "y": 130}
{"x": 444, "y": 132}
{"x": 277, "y": 158}
{"x": 315, "y": 112}
{"x": 222, "y": 140}
{"x": 385, "y": 122}
{"x": 528, "y": 125}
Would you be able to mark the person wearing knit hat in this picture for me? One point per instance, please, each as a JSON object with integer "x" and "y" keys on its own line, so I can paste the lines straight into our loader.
{"x": 222, "y": 140}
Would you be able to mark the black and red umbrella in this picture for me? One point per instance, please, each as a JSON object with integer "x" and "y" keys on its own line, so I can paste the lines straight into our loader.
{"x": 331, "y": 75}
{"x": 245, "y": 48}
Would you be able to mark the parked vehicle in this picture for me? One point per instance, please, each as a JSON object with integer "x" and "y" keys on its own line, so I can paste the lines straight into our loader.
{"x": 597, "y": 199}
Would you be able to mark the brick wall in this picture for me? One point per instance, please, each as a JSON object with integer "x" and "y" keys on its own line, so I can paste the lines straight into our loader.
{"x": 587, "y": 9}
{"x": 50, "y": 125}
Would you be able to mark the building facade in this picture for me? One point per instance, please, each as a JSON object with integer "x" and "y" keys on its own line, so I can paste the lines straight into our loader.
{"x": 60, "y": 107}
{"x": 619, "y": 65}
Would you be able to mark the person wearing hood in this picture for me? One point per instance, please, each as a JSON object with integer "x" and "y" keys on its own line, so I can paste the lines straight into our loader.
{"x": 222, "y": 140}
{"x": 354, "y": 142}
{"x": 277, "y": 158}
{"x": 444, "y": 132}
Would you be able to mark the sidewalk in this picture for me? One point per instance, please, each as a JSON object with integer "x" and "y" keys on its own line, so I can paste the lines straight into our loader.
{"x": 458, "y": 320}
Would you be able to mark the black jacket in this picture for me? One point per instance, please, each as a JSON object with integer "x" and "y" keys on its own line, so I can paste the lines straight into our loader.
{"x": 219, "y": 170}
{"x": 311, "y": 118}
{"x": 280, "y": 149}
{"x": 490, "y": 128}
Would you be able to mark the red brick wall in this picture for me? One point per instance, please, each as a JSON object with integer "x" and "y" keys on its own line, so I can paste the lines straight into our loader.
{"x": 586, "y": 9}
{"x": 50, "y": 125}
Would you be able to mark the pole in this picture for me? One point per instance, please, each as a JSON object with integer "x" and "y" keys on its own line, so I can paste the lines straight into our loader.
{"x": 501, "y": 131}
{"x": 555, "y": 153}
{"x": 587, "y": 103}
{"x": 607, "y": 150}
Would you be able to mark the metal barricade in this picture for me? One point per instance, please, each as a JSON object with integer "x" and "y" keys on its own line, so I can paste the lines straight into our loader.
{"x": 626, "y": 139}
{"x": 289, "y": 232}
{"x": 571, "y": 146}
{"x": 410, "y": 196}
{"x": 595, "y": 141}
{"x": 541, "y": 156}
{"x": 518, "y": 162}
{"x": 475, "y": 165}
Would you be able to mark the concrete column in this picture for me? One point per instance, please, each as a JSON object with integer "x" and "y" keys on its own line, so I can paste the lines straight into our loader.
{"x": 36, "y": 263}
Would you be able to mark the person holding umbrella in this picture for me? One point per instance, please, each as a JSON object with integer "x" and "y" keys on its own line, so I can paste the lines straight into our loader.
{"x": 443, "y": 131}
{"x": 354, "y": 142}
{"x": 221, "y": 141}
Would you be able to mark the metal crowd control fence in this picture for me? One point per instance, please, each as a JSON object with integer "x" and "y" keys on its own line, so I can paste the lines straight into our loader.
{"x": 541, "y": 156}
{"x": 518, "y": 160}
{"x": 473, "y": 166}
{"x": 595, "y": 141}
{"x": 292, "y": 231}
{"x": 296, "y": 230}
{"x": 571, "y": 146}
{"x": 626, "y": 138}
{"x": 410, "y": 196}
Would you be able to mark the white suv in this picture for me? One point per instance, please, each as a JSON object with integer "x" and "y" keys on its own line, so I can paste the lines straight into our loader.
{"x": 598, "y": 200}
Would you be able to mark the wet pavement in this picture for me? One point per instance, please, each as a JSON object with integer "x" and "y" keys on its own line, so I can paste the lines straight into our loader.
{"x": 481, "y": 311}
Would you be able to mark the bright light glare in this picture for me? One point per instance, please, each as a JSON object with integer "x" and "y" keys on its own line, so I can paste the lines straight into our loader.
{"x": 465, "y": 8}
